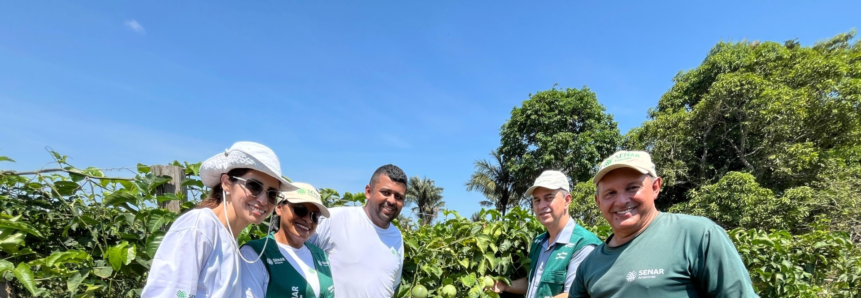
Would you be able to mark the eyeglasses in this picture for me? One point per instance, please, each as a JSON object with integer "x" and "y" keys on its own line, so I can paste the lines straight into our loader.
{"x": 255, "y": 188}
{"x": 301, "y": 211}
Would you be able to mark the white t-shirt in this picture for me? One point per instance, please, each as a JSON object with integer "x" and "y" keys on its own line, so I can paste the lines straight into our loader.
{"x": 197, "y": 258}
{"x": 255, "y": 278}
{"x": 366, "y": 260}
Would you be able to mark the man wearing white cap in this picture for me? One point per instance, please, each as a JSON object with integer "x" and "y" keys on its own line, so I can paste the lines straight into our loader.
{"x": 556, "y": 254}
{"x": 652, "y": 253}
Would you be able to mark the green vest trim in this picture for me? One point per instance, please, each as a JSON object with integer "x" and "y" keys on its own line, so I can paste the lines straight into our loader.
{"x": 284, "y": 280}
{"x": 552, "y": 281}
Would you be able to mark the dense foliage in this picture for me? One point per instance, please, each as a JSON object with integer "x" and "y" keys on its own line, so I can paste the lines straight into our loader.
{"x": 763, "y": 138}
{"x": 565, "y": 130}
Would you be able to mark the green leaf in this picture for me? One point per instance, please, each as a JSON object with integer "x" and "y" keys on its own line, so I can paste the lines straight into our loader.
{"x": 155, "y": 222}
{"x": 66, "y": 257}
{"x": 6, "y": 266}
{"x": 76, "y": 177}
{"x": 192, "y": 182}
{"x": 76, "y": 279}
{"x": 25, "y": 277}
{"x": 475, "y": 292}
{"x": 21, "y": 226}
{"x": 763, "y": 241}
{"x": 117, "y": 255}
{"x": 10, "y": 244}
{"x": 95, "y": 172}
{"x": 166, "y": 197}
{"x": 3, "y": 158}
{"x": 143, "y": 169}
{"x": 103, "y": 272}
{"x": 120, "y": 199}
{"x": 152, "y": 243}
{"x": 464, "y": 262}
{"x": 66, "y": 188}
{"x": 131, "y": 252}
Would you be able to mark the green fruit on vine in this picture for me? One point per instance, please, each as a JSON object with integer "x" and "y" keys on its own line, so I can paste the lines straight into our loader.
{"x": 419, "y": 291}
{"x": 488, "y": 282}
{"x": 448, "y": 291}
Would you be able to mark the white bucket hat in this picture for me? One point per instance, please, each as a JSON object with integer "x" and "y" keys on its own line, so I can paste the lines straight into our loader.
{"x": 305, "y": 194}
{"x": 247, "y": 155}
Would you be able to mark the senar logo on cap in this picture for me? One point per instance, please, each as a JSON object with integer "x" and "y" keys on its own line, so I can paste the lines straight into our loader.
{"x": 622, "y": 156}
{"x": 638, "y": 160}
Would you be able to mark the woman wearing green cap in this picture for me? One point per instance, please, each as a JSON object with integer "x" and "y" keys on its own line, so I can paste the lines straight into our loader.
{"x": 302, "y": 269}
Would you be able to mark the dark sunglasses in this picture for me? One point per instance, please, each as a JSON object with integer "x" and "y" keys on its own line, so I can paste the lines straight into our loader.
{"x": 255, "y": 188}
{"x": 301, "y": 211}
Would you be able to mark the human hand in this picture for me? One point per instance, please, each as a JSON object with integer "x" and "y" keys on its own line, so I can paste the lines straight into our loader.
{"x": 499, "y": 287}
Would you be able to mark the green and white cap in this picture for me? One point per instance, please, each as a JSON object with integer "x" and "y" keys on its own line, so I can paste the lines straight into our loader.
{"x": 638, "y": 160}
{"x": 550, "y": 180}
{"x": 305, "y": 194}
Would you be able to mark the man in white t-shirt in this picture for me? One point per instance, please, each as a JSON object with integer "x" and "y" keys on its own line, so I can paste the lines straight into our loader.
{"x": 366, "y": 251}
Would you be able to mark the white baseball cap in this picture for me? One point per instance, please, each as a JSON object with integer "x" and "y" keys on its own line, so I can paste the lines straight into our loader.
{"x": 550, "y": 180}
{"x": 247, "y": 155}
{"x": 305, "y": 194}
{"x": 638, "y": 160}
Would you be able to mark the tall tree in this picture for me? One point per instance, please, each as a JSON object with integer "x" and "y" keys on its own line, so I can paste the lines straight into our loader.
{"x": 565, "y": 130}
{"x": 427, "y": 196}
{"x": 495, "y": 182}
{"x": 787, "y": 115}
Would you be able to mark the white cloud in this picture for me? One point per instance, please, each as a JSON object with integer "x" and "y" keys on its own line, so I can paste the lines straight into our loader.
{"x": 134, "y": 25}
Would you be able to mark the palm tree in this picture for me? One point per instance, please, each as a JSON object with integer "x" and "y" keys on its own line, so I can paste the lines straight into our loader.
{"x": 427, "y": 197}
{"x": 495, "y": 182}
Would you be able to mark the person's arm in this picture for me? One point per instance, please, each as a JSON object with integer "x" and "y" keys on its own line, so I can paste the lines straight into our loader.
{"x": 576, "y": 259}
{"x": 322, "y": 237}
{"x": 719, "y": 269}
{"x": 255, "y": 278}
{"x": 177, "y": 263}
{"x": 517, "y": 286}
{"x": 578, "y": 287}
{"x": 398, "y": 274}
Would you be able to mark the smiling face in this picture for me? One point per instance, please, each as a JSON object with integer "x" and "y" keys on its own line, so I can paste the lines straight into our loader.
{"x": 626, "y": 198}
{"x": 385, "y": 200}
{"x": 297, "y": 229}
{"x": 247, "y": 208}
{"x": 550, "y": 205}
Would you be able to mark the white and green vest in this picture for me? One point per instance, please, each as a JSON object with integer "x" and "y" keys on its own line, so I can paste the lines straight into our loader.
{"x": 285, "y": 281}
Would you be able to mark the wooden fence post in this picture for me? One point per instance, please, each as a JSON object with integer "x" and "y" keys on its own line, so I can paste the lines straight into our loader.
{"x": 6, "y": 289}
{"x": 173, "y": 186}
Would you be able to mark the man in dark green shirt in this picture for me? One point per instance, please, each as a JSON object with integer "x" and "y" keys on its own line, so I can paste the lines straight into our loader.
{"x": 655, "y": 254}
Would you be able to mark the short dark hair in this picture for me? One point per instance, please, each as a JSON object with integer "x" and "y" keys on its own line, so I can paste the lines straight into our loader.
{"x": 394, "y": 172}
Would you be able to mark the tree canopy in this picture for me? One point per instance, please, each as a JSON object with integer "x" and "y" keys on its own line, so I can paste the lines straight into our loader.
{"x": 565, "y": 130}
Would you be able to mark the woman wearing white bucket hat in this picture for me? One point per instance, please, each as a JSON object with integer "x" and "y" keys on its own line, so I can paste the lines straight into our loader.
{"x": 199, "y": 256}
{"x": 301, "y": 269}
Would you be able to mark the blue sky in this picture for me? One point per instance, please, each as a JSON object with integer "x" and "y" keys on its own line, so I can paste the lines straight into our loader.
{"x": 338, "y": 88}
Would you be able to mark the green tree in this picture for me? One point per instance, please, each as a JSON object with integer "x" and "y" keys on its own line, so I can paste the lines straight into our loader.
{"x": 566, "y": 130}
{"x": 427, "y": 196}
{"x": 330, "y": 197}
{"x": 787, "y": 115}
{"x": 494, "y": 180}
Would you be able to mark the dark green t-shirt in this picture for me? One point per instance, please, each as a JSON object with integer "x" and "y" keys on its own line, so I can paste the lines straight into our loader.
{"x": 676, "y": 256}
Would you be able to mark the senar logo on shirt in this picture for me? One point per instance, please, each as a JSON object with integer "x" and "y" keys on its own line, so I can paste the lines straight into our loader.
{"x": 644, "y": 274}
{"x": 276, "y": 261}
{"x": 182, "y": 294}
